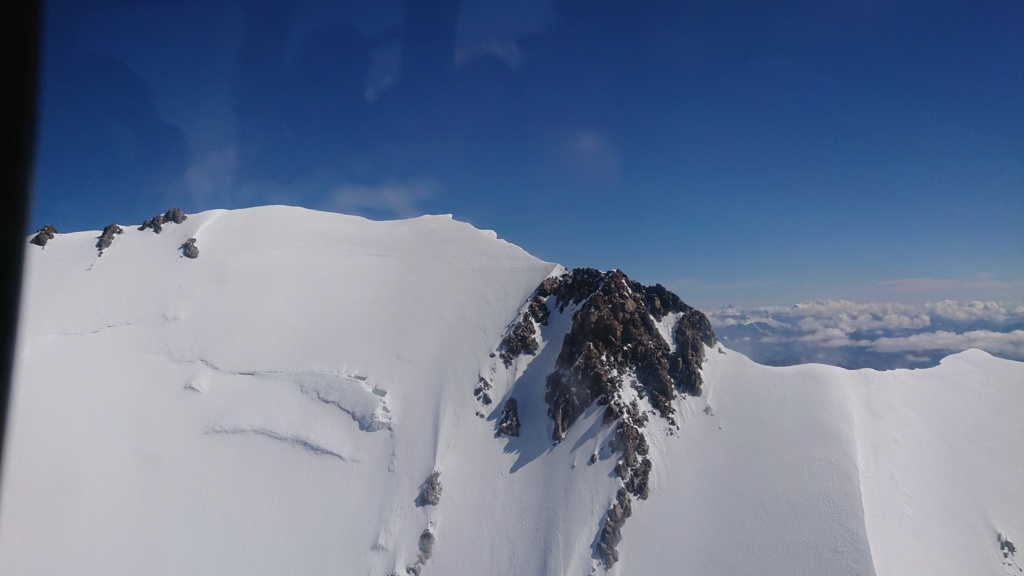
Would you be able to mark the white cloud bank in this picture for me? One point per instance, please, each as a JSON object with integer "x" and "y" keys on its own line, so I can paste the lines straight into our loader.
{"x": 946, "y": 326}
{"x": 1003, "y": 343}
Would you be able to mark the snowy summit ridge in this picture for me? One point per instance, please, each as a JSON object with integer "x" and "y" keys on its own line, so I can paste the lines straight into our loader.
{"x": 316, "y": 393}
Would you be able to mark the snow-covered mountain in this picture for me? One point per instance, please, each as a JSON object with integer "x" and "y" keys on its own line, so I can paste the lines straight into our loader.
{"x": 313, "y": 393}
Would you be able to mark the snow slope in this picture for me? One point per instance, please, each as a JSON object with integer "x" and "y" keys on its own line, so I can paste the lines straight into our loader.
{"x": 275, "y": 406}
{"x": 813, "y": 469}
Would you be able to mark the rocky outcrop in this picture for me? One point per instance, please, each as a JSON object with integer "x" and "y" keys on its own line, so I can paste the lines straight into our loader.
{"x": 614, "y": 334}
{"x": 107, "y": 237}
{"x": 430, "y": 491}
{"x": 156, "y": 223}
{"x": 426, "y": 548}
{"x": 44, "y": 235}
{"x": 634, "y": 469}
{"x": 509, "y": 423}
{"x": 616, "y": 355}
{"x": 521, "y": 338}
{"x": 691, "y": 334}
{"x": 175, "y": 215}
{"x": 189, "y": 249}
{"x": 1005, "y": 545}
{"x": 611, "y": 532}
{"x": 481, "y": 391}
{"x": 426, "y": 545}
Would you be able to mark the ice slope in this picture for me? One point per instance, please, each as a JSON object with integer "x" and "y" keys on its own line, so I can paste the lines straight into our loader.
{"x": 274, "y": 407}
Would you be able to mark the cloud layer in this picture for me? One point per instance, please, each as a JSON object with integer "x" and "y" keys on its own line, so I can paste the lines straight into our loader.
{"x": 872, "y": 335}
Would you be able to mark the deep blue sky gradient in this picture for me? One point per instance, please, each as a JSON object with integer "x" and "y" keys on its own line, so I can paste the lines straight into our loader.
{"x": 749, "y": 152}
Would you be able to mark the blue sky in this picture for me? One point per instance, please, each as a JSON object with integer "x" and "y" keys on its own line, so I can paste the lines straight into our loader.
{"x": 747, "y": 152}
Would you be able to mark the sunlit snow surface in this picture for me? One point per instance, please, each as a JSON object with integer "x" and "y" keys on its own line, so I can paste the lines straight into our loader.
{"x": 274, "y": 406}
